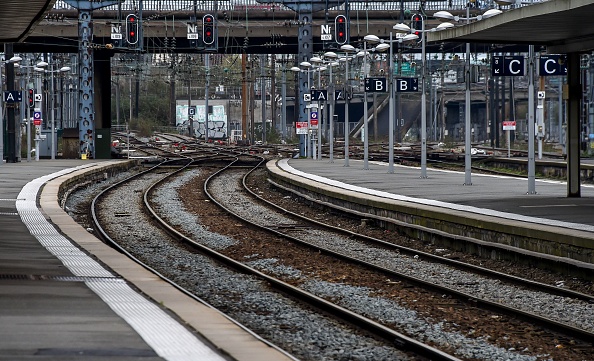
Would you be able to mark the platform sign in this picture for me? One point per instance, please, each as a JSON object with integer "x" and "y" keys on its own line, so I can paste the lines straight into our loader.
{"x": 552, "y": 64}
{"x": 319, "y": 95}
{"x": 301, "y": 127}
{"x": 509, "y": 125}
{"x": 508, "y": 65}
{"x": 13, "y": 96}
{"x": 376, "y": 85}
{"x": 313, "y": 120}
{"x": 405, "y": 85}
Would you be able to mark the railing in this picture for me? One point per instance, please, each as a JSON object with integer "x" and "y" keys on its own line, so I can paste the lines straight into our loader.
{"x": 240, "y": 5}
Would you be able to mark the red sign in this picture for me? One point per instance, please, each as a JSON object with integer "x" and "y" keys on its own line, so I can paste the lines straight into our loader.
{"x": 509, "y": 125}
{"x": 36, "y": 121}
{"x": 301, "y": 127}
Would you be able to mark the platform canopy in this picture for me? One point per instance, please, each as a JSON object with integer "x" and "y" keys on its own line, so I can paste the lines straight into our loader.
{"x": 19, "y": 17}
{"x": 562, "y": 26}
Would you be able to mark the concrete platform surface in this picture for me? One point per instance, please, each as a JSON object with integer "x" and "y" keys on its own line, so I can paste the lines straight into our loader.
{"x": 58, "y": 303}
{"x": 490, "y": 195}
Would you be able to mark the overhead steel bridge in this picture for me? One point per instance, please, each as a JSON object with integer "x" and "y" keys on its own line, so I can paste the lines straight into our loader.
{"x": 244, "y": 26}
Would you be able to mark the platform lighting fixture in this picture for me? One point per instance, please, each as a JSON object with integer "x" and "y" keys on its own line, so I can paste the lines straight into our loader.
{"x": 447, "y": 16}
{"x": 385, "y": 44}
{"x": 420, "y": 33}
{"x": 40, "y": 67}
{"x": 307, "y": 65}
{"x": 348, "y": 49}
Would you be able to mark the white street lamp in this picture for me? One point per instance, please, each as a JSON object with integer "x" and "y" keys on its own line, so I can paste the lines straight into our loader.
{"x": 383, "y": 46}
{"x": 366, "y": 39}
{"x": 405, "y": 28}
{"x": 332, "y": 56}
{"x": 307, "y": 65}
{"x": 531, "y": 125}
{"x": 446, "y": 16}
{"x": 348, "y": 49}
{"x": 319, "y": 68}
{"x": 40, "y": 67}
{"x": 24, "y": 109}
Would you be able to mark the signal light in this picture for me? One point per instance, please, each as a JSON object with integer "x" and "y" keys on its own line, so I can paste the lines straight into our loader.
{"x": 208, "y": 29}
{"x": 417, "y": 24}
{"x": 31, "y": 98}
{"x": 340, "y": 29}
{"x": 132, "y": 29}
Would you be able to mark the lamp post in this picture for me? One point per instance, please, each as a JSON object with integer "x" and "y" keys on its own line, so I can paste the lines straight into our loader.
{"x": 319, "y": 67}
{"x": 444, "y": 15}
{"x": 403, "y": 28}
{"x": 307, "y": 65}
{"x": 332, "y": 63}
{"x": 531, "y": 125}
{"x": 25, "y": 114}
{"x": 12, "y": 60}
{"x": 406, "y": 38}
{"x": 41, "y": 68}
{"x": 366, "y": 39}
{"x": 329, "y": 64}
{"x": 347, "y": 49}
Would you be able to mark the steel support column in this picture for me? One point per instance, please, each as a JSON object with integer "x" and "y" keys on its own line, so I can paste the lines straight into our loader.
{"x": 86, "y": 105}
{"x": 573, "y": 125}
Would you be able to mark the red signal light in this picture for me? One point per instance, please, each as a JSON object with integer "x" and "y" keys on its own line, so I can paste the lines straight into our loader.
{"x": 208, "y": 29}
{"x": 340, "y": 28}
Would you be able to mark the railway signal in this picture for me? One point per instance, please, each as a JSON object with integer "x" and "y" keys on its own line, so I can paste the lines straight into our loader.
{"x": 132, "y": 29}
{"x": 341, "y": 30}
{"x": 417, "y": 24}
{"x": 209, "y": 31}
{"x": 31, "y": 98}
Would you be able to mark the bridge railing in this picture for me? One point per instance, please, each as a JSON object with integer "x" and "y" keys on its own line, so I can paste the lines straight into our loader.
{"x": 234, "y": 5}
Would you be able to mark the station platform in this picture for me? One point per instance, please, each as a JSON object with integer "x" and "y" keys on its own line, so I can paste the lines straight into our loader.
{"x": 492, "y": 211}
{"x": 65, "y": 295}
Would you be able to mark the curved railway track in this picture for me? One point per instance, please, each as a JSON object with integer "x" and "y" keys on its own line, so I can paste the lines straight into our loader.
{"x": 564, "y": 335}
{"x": 296, "y": 227}
{"x": 282, "y": 288}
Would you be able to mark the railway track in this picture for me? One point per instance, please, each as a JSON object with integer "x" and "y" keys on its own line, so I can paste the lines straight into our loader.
{"x": 288, "y": 229}
{"x": 237, "y": 270}
{"x": 296, "y": 227}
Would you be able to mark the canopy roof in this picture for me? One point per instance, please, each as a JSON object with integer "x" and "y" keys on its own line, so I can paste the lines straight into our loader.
{"x": 562, "y": 26}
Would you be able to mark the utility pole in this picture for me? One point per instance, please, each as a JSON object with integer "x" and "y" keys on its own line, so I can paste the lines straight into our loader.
{"x": 11, "y": 156}
{"x": 273, "y": 90}
{"x": 244, "y": 97}
{"x": 206, "y": 95}
{"x": 263, "y": 94}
